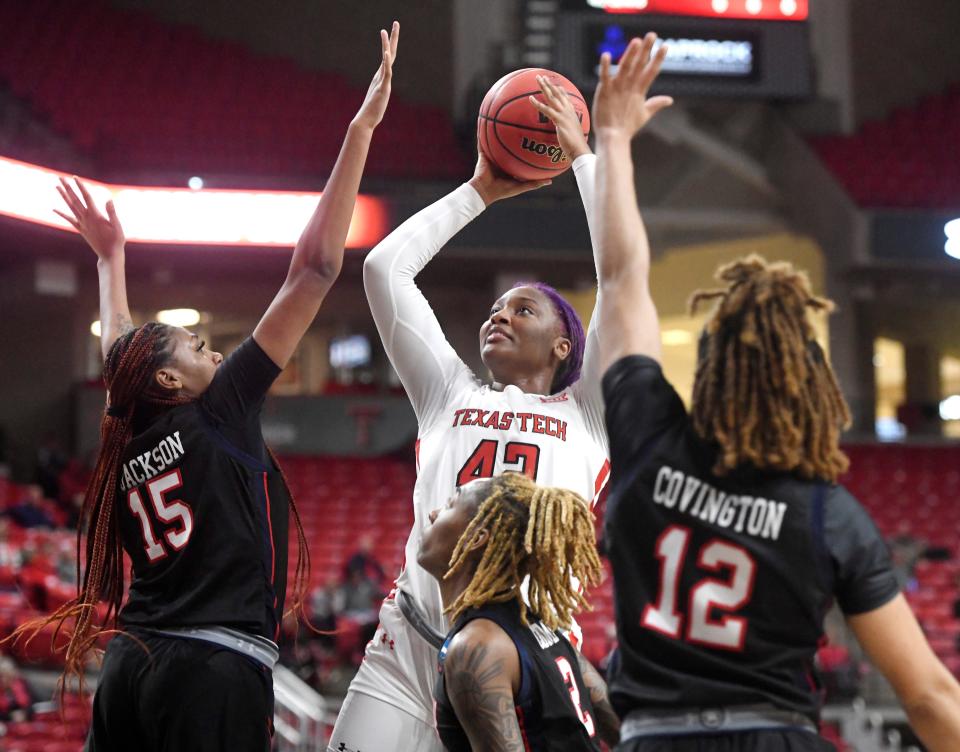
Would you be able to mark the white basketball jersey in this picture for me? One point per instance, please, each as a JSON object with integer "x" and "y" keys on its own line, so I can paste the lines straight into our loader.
{"x": 466, "y": 431}
{"x": 483, "y": 432}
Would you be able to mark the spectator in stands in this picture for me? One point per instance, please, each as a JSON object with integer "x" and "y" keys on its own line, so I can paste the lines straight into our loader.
{"x": 15, "y": 700}
{"x": 51, "y": 460}
{"x": 325, "y": 603}
{"x": 905, "y": 551}
{"x": 364, "y": 562}
{"x": 73, "y": 484}
{"x": 10, "y": 555}
{"x": 29, "y": 511}
{"x": 360, "y": 596}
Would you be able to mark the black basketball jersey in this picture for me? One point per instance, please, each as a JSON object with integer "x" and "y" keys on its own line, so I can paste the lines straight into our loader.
{"x": 553, "y": 707}
{"x": 721, "y": 583}
{"x": 203, "y": 511}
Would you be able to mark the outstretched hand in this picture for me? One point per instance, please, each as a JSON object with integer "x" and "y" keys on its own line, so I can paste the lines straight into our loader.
{"x": 493, "y": 184}
{"x": 102, "y": 233}
{"x": 378, "y": 95}
{"x": 620, "y": 103}
{"x": 559, "y": 109}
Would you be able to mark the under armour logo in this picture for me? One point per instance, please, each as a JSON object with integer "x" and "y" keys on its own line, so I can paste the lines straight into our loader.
{"x": 344, "y": 748}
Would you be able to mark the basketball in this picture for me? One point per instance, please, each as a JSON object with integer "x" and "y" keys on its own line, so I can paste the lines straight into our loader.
{"x": 515, "y": 136}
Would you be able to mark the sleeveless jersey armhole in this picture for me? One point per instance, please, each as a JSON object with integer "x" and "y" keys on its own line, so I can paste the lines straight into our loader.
{"x": 525, "y": 695}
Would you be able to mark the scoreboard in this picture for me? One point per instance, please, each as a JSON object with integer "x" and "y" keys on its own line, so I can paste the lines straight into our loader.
{"x": 756, "y": 49}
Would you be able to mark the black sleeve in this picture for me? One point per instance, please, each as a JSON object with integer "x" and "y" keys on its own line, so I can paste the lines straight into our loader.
{"x": 240, "y": 384}
{"x": 640, "y": 405}
{"x": 864, "y": 578}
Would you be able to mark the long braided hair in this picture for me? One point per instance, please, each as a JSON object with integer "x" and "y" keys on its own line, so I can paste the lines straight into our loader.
{"x": 133, "y": 397}
{"x": 763, "y": 391}
{"x": 546, "y": 533}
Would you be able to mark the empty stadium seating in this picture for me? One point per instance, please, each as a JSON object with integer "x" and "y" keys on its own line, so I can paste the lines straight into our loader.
{"x": 909, "y": 160}
{"x": 140, "y": 95}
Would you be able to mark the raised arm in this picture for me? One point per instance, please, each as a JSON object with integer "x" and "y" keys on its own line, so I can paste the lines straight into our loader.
{"x": 481, "y": 670}
{"x": 105, "y": 236}
{"x": 318, "y": 255}
{"x": 556, "y": 105}
{"x": 411, "y": 334}
{"x": 628, "y": 317}
{"x": 930, "y": 695}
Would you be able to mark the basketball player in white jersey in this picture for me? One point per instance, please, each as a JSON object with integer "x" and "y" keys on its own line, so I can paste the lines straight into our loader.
{"x": 542, "y": 415}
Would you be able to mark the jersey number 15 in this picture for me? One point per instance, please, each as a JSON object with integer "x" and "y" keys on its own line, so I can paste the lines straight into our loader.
{"x": 175, "y": 511}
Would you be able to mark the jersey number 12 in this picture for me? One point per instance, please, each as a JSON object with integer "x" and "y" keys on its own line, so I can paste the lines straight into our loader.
{"x": 727, "y": 632}
{"x": 166, "y": 511}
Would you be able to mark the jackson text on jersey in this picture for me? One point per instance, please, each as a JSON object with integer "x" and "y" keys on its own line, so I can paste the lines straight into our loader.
{"x": 149, "y": 464}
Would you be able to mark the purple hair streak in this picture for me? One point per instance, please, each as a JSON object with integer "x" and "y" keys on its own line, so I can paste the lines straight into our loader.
{"x": 569, "y": 370}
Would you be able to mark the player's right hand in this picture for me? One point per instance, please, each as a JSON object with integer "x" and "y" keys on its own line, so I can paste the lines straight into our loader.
{"x": 378, "y": 94}
{"x": 103, "y": 234}
{"x": 493, "y": 184}
{"x": 620, "y": 104}
{"x": 558, "y": 108}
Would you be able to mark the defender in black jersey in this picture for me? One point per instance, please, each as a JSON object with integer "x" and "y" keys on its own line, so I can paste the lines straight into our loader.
{"x": 508, "y": 678}
{"x": 185, "y": 485}
{"x": 727, "y": 532}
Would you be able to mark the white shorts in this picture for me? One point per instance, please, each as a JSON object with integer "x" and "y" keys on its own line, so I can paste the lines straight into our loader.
{"x": 366, "y": 724}
{"x": 399, "y": 667}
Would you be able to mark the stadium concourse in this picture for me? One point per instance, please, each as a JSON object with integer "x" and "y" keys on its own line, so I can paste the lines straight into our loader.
{"x": 829, "y": 155}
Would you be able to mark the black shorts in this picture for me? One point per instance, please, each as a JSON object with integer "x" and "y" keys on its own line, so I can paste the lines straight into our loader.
{"x": 186, "y": 695}
{"x": 740, "y": 741}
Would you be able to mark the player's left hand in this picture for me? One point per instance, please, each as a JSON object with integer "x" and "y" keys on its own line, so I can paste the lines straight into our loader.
{"x": 620, "y": 103}
{"x": 560, "y": 110}
{"x": 103, "y": 234}
{"x": 375, "y": 104}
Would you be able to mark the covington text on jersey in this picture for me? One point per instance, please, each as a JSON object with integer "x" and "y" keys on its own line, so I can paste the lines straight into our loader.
{"x": 753, "y": 515}
{"x": 145, "y": 466}
{"x": 504, "y": 421}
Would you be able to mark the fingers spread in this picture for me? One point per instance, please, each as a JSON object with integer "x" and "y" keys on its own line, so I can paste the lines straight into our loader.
{"x": 83, "y": 190}
{"x": 652, "y": 70}
{"x": 69, "y": 219}
{"x": 112, "y": 213}
{"x": 629, "y": 58}
{"x": 76, "y": 206}
{"x": 605, "y": 69}
{"x": 394, "y": 39}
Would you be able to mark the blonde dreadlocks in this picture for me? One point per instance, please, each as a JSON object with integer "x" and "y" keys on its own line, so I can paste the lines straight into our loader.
{"x": 546, "y": 533}
{"x": 763, "y": 390}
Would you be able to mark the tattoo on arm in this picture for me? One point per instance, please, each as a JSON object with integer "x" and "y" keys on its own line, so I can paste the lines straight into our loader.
{"x": 607, "y": 721}
{"x": 481, "y": 694}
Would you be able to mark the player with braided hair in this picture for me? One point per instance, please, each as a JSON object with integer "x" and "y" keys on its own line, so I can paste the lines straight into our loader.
{"x": 510, "y": 680}
{"x": 727, "y": 531}
{"x": 760, "y": 337}
{"x": 185, "y": 485}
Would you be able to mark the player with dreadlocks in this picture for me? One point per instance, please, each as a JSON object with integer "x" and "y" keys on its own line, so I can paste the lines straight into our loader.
{"x": 185, "y": 485}
{"x": 727, "y": 531}
{"x": 509, "y": 680}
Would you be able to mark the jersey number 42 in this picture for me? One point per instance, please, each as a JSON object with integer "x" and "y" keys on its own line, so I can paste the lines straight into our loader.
{"x": 525, "y": 459}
